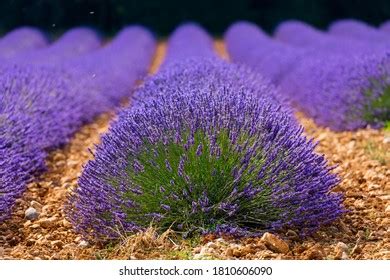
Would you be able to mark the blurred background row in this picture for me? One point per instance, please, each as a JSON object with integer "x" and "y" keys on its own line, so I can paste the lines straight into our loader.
{"x": 163, "y": 16}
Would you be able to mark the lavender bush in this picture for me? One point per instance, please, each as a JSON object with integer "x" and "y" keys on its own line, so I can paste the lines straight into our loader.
{"x": 73, "y": 43}
{"x": 385, "y": 27}
{"x": 340, "y": 89}
{"x": 112, "y": 72}
{"x": 357, "y": 29}
{"x": 249, "y": 45}
{"x": 209, "y": 157}
{"x": 300, "y": 34}
{"x": 206, "y": 74}
{"x": 27, "y": 118}
{"x": 188, "y": 41}
{"x": 20, "y": 40}
{"x": 41, "y": 106}
{"x": 190, "y": 44}
{"x": 344, "y": 94}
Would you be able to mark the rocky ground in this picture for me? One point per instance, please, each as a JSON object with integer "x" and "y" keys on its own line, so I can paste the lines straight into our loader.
{"x": 38, "y": 229}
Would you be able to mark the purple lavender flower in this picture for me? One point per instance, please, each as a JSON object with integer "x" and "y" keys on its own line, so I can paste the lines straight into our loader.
{"x": 199, "y": 150}
{"x": 168, "y": 165}
{"x": 282, "y": 184}
{"x": 20, "y": 40}
{"x": 41, "y": 106}
{"x": 180, "y": 168}
{"x": 165, "y": 207}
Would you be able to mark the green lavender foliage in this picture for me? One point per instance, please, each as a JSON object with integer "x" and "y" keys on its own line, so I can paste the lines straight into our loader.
{"x": 378, "y": 107}
{"x": 203, "y": 175}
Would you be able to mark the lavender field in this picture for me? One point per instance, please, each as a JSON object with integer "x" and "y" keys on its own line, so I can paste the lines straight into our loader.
{"x": 249, "y": 146}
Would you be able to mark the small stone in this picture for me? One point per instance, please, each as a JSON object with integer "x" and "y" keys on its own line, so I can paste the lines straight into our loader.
{"x": 342, "y": 246}
{"x": 57, "y": 243}
{"x": 344, "y": 227}
{"x": 229, "y": 252}
{"x": 27, "y": 223}
{"x": 341, "y": 251}
{"x": 31, "y": 214}
{"x": 83, "y": 244}
{"x": 274, "y": 243}
{"x": 35, "y": 226}
{"x": 13, "y": 241}
{"x": 387, "y": 210}
{"x": 1, "y": 252}
{"x": 66, "y": 223}
{"x": 220, "y": 240}
{"x": 36, "y": 205}
{"x": 386, "y": 139}
{"x": 315, "y": 253}
{"x": 237, "y": 253}
{"x": 373, "y": 187}
{"x": 260, "y": 245}
{"x": 203, "y": 254}
{"x": 351, "y": 145}
{"x": 72, "y": 163}
{"x": 385, "y": 222}
{"x": 196, "y": 250}
{"x": 292, "y": 235}
{"x": 356, "y": 250}
{"x": 247, "y": 250}
{"x": 344, "y": 256}
{"x": 359, "y": 204}
{"x": 47, "y": 223}
{"x": 45, "y": 209}
{"x": 196, "y": 257}
{"x": 385, "y": 197}
{"x": 204, "y": 251}
{"x": 211, "y": 245}
{"x": 30, "y": 242}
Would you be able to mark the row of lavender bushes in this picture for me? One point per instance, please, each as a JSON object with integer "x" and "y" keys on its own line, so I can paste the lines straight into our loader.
{"x": 20, "y": 40}
{"x": 207, "y": 146}
{"x": 49, "y": 91}
{"x": 340, "y": 78}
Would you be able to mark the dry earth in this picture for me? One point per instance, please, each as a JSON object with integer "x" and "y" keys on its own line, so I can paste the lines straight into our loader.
{"x": 362, "y": 157}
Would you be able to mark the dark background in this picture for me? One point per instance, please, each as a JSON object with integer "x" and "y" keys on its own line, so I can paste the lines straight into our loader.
{"x": 162, "y": 16}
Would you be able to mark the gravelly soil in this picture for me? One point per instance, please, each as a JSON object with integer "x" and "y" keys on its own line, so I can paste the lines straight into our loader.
{"x": 363, "y": 159}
